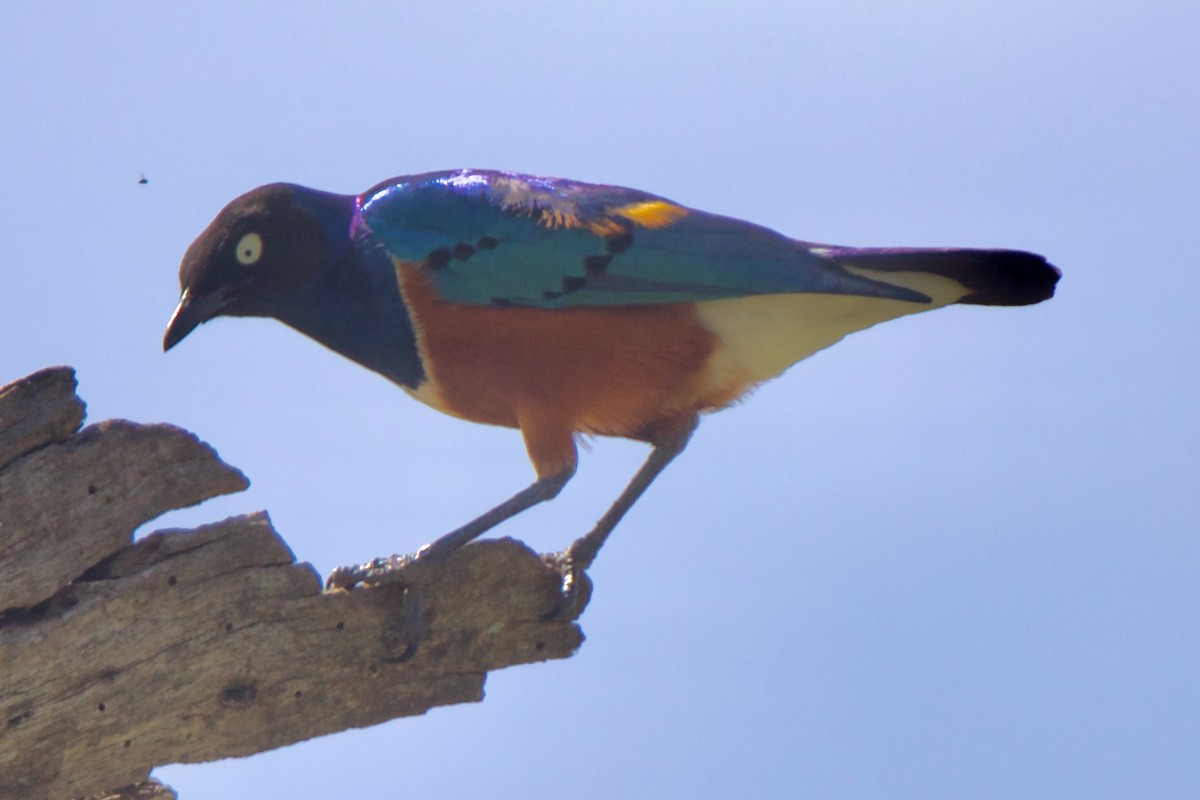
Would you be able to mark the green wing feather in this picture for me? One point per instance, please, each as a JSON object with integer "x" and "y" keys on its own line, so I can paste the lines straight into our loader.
{"x": 506, "y": 239}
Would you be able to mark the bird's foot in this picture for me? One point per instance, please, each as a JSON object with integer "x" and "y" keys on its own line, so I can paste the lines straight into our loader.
{"x": 408, "y": 569}
{"x": 376, "y": 571}
{"x": 575, "y": 589}
{"x": 402, "y": 574}
{"x": 405, "y": 569}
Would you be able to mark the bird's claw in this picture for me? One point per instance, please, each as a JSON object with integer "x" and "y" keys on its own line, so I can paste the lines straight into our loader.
{"x": 394, "y": 573}
{"x": 374, "y": 572}
{"x": 575, "y": 589}
{"x": 380, "y": 571}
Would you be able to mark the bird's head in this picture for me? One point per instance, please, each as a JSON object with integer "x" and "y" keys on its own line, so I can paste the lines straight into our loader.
{"x": 260, "y": 249}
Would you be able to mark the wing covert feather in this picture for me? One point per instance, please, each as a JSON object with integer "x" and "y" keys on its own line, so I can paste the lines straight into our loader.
{"x": 507, "y": 239}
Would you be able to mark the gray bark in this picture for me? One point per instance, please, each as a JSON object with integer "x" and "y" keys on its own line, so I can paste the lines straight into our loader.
{"x": 193, "y": 645}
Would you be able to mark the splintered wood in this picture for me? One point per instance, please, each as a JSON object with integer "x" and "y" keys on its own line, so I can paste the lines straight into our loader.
{"x": 193, "y": 645}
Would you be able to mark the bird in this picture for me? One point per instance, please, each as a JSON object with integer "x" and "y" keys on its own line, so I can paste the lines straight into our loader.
{"x": 561, "y": 308}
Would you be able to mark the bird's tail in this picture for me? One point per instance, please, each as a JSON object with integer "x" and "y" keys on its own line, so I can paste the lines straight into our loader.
{"x": 762, "y": 335}
{"x": 987, "y": 277}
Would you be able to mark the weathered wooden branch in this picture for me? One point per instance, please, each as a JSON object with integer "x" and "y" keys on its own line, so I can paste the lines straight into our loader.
{"x": 193, "y": 645}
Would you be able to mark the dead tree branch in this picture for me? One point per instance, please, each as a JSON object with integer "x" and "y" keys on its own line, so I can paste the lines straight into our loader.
{"x": 192, "y": 645}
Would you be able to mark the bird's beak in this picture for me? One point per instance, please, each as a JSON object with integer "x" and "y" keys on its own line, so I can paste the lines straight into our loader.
{"x": 190, "y": 312}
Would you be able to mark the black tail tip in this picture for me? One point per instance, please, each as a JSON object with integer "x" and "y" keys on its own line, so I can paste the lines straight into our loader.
{"x": 990, "y": 277}
{"x": 1011, "y": 278}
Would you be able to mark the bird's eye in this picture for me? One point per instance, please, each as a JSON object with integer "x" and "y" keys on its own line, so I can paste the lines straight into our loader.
{"x": 249, "y": 249}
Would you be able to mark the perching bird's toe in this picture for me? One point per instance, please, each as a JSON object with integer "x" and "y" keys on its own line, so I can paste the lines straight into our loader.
{"x": 575, "y": 589}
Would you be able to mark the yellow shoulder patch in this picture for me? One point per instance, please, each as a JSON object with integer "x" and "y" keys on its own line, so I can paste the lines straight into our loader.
{"x": 651, "y": 213}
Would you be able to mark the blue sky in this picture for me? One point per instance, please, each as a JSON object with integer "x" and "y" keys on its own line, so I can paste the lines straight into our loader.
{"x": 954, "y": 556}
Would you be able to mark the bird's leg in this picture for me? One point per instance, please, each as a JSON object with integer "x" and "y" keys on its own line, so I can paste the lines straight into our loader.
{"x": 582, "y": 552}
{"x": 407, "y": 568}
{"x": 671, "y": 443}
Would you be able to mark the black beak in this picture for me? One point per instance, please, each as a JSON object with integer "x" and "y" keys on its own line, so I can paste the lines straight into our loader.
{"x": 190, "y": 312}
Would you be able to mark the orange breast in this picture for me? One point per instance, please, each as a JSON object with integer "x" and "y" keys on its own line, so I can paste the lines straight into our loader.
{"x": 620, "y": 371}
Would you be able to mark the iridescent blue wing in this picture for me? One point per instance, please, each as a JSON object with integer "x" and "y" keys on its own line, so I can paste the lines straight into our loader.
{"x": 506, "y": 239}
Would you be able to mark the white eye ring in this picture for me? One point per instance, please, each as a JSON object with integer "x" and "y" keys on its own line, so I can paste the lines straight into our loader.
{"x": 249, "y": 249}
